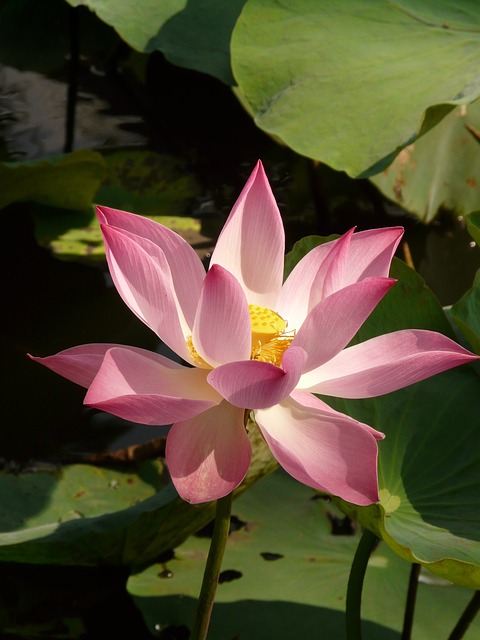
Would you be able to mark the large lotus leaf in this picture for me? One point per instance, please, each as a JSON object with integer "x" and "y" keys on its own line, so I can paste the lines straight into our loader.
{"x": 68, "y": 181}
{"x": 195, "y": 35}
{"x": 285, "y": 576}
{"x": 466, "y": 314}
{"x": 429, "y": 464}
{"x": 143, "y": 182}
{"x": 441, "y": 170}
{"x": 86, "y": 515}
{"x": 350, "y": 83}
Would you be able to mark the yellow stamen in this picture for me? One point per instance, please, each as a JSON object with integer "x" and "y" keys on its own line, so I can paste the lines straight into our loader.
{"x": 269, "y": 338}
{"x": 269, "y": 341}
{"x": 197, "y": 359}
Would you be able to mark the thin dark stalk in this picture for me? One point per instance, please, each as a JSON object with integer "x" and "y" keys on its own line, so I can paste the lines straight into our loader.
{"x": 355, "y": 585}
{"x": 212, "y": 568}
{"x": 411, "y": 601}
{"x": 72, "y": 79}
{"x": 467, "y": 617}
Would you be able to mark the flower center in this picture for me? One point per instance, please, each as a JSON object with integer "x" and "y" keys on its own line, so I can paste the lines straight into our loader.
{"x": 269, "y": 340}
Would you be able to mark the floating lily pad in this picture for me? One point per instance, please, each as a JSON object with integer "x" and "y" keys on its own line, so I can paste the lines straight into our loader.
{"x": 87, "y": 515}
{"x": 351, "y": 83}
{"x": 285, "y": 574}
{"x": 429, "y": 463}
{"x": 195, "y": 35}
{"x": 466, "y": 314}
{"x": 69, "y": 181}
{"x": 451, "y": 182}
{"x": 142, "y": 182}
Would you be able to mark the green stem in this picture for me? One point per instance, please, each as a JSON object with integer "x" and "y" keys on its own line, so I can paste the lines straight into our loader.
{"x": 468, "y": 615}
{"x": 411, "y": 600}
{"x": 355, "y": 585}
{"x": 212, "y": 568}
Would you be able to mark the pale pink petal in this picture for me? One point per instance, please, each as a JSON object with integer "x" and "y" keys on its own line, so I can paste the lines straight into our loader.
{"x": 369, "y": 254}
{"x": 222, "y": 331}
{"x": 386, "y": 363}
{"x": 336, "y": 319}
{"x": 186, "y": 268}
{"x": 257, "y": 385}
{"x": 322, "y": 449}
{"x": 252, "y": 243}
{"x": 81, "y": 364}
{"x": 208, "y": 456}
{"x": 139, "y": 388}
{"x": 142, "y": 276}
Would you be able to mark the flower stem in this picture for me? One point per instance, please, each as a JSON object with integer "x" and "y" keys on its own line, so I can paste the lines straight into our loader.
{"x": 411, "y": 600}
{"x": 212, "y": 568}
{"x": 467, "y": 617}
{"x": 355, "y": 585}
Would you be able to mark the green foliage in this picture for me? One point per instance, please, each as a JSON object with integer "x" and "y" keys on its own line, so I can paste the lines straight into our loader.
{"x": 351, "y": 83}
{"x": 303, "y": 576}
{"x": 87, "y": 515}
{"x": 441, "y": 170}
{"x": 429, "y": 463}
{"x": 68, "y": 181}
{"x": 190, "y": 34}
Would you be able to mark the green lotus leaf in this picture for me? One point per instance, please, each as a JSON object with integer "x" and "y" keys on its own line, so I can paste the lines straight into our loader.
{"x": 195, "y": 35}
{"x": 466, "y": 314}
{"x": 451, "y": 182}
{"x": 69, "y": 181}
{"x": 351, "y": 83}
{"x": 285, "y": 573}
{"x": 88, "y": 515}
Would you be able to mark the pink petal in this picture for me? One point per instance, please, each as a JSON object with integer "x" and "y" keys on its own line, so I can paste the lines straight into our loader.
{"x": 142, "y": 276}
{"x": 208, "y": 456}
{"x": 142, "y": 389}
{"x": 81, "y": 364}
{"x": 257, "y": 385}
{"x": 369, "y": 254}
{"x": 186, "y": 268}
{"x": 336, "y": 319}
{"x": 222, "y": 332}
{"x": 322, "y": 449}
{"x": 386, "y": 363}
{"x": 252, "y": 243}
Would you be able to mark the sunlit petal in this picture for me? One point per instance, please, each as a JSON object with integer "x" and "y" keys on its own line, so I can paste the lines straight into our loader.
{"x": 252, "y": 384}
{"x": 386, "y": 363}
{"x": 252, "y": 243}
{"x": 139, "y": 388}
{"x": 208, "y": 456}
{"x": 186, "y": 268}
{"x": 322, "y": 449}
{"x": 222, "y": 331}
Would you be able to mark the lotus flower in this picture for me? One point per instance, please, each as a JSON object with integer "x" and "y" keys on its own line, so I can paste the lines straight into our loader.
{"x": 252, "y": 343}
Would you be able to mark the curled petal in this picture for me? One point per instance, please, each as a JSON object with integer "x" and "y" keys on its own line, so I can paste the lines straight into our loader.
{"x": 81, "y": 364}
{"x": 336, "y": 319}
{"x": 222, "y": 332}
{"x": 143, "y": 278}
{"x": 142, "y": 389}
{"x": 323, "y": 449}
{"x": 208, "y": 456}
{"x": 257, "y": 385}
{"x": 186, "y": 268}
{"x": 252, "y": 243}
{"x": 365, "y": 254}
{"x": 386, "y": 363}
